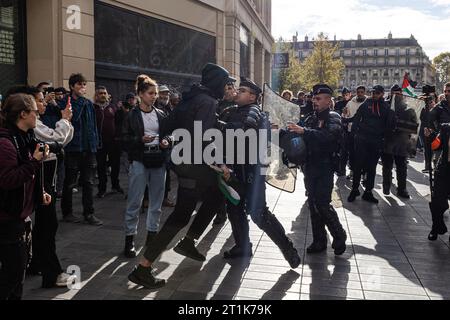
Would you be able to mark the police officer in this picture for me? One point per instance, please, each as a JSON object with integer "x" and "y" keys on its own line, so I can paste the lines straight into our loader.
{"x": 396, "y": 144}
{"x": 339, "y": 108}
{"x": 322, "y": 132}
{"x": 370, "y": 125}
{"x": 439, "y": 128}
{"x": 248, "y": 116}
{"x": 439, "y": 198}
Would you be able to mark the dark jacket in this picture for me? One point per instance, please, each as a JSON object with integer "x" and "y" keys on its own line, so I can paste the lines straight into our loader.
{"x": 106, "y": 124}
{"x": 133, "y": 132}
{"x": 322, "y": 135}
{"x": 51, "y": 116}
{"x": 19, "y": 175}
{"x": 84, "y": 123}
{"x": 373, "y": 120}
{"x": 439, "y": 115}
{"x": 340, "y": 106}
{"x": 398, "y": 142}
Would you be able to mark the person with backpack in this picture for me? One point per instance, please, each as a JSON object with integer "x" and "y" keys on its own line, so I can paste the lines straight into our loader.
{"x": 21, "y": 190}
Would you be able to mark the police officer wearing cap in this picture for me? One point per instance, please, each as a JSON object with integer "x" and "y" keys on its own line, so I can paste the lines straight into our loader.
{"x": 322, "y": 132}
{"x": 248, "y": 116}
{"x": 396, "y": 144}
{"x": 370, "y": 125}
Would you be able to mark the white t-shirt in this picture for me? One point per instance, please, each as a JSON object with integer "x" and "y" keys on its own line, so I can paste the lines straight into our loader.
{"x": 151, "y": 125}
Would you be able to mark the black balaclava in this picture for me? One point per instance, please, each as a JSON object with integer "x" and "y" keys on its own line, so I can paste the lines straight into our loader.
{"x": 215, "y": 78}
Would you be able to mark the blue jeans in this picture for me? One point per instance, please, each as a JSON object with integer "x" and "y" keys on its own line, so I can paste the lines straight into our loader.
{"x": 140, "y": 177}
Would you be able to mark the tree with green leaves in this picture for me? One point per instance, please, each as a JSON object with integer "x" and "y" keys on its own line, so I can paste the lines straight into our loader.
{"x": 323, "y": 66}
{"x": 442, "y": 65}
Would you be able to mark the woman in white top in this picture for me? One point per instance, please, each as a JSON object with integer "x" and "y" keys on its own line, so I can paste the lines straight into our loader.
{"x": 146, "y": 139}
{"x": 45, "y": 260}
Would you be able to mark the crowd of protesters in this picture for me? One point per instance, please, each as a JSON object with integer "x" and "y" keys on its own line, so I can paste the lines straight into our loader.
{"x": 56, "y": 141}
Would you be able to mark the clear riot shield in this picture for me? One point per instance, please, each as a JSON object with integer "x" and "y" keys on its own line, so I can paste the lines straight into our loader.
{"x": 280, "y": 112}
{"x": 412, "y": 108}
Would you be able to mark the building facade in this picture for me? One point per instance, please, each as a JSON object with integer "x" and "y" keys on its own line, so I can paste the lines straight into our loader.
{"x": 112, "y": 41}
{"x": 371, "y": 62}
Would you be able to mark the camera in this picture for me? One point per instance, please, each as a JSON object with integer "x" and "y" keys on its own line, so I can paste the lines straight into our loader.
{"x": 49, "y": 90}
{"x": 427, "y": 89}
{"x": 41, "y": 147}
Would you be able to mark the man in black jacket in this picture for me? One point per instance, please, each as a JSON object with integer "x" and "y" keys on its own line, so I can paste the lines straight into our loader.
{"x": 199, "y": 106}
{"x": 440, "y": 127}
{"x": 370, "y": 125}
{"x": 322, "y": 132}
{"x": 396, "y": 144}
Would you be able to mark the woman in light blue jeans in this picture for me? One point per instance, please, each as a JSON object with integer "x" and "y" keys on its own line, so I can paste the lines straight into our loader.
{"x": 147, "y": 153}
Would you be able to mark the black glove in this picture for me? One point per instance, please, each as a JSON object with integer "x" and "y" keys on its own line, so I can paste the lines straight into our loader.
{"x": 253, "y": 119}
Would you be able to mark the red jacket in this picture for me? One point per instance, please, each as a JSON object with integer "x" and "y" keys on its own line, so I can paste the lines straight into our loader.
{"x": 17, "y": 177}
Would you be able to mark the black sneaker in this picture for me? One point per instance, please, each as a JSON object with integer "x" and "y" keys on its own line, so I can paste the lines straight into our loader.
{"x": 118, "y": 189}
{"x": 403, "y": 194}
{"x": 144, "y": 277}
{"x": 187, "y": 248}
{"x": 316, "y": 248}
{"x": 238, "y": 252}
{"x": 93, "y": 220}
{"x": 292, "y": 258}
{"x": 353, "y": 195}
{"x": 71, "y": 218}
{"x": 368, "y": 196}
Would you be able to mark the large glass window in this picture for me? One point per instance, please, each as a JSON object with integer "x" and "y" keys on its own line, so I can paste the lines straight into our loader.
{"x": 245, "y": 52}
{"x": 12, "y": 43}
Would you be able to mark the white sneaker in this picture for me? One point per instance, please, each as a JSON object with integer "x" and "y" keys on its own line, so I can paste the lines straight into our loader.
{"x": 64, "y": 279}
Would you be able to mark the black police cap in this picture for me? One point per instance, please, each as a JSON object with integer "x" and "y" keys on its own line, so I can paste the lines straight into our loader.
{"x": 345, "y": 91}
{"x": 322, "y": 89}
{"x": 378, "y": 88}
{"x": 427, "y": 89}
{"x": 396, "y": 88}
{"x": 250, "y": 84}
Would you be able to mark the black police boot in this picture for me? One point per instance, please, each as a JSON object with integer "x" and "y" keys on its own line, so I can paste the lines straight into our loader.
{"x": 150, "y": 237}
{"x": 187, "y": 248}
{"x": 275, "y": 231}
{"x": 239, "y": 252}
{"x": 368, "y": 196}
{"x": 331, "y": 219}
{"x": 353, "y": 195}
{"x": 144, "y": 277}
{"x": 439, "y": 227}
{"x": 130, "y": 251}
{"x": 403, "y": 194}
{"x": 320, "y": 241}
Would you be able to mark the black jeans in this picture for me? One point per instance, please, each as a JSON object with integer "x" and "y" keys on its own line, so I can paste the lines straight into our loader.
{"x": 367, "y": 154}
{"x": 439, "y": 199}
{"x": 45, "y": 227}
{"x": 14, "y": 244}
{"x": 188, "y": 197}
{"x": 85, "y": 164}
{"x": 402, "y": 171}
{"x": 109, "y": 155}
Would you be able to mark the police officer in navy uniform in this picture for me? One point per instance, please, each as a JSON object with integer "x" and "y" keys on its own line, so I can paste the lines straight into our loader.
{"x": 322, "y": 132}
{"x": 248, "y": 116}
{"x": 439, "y": 127}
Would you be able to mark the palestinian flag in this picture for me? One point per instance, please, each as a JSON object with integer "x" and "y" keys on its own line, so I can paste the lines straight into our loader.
{"x": 227, "y": 189}
{"x": 408, "y": 86}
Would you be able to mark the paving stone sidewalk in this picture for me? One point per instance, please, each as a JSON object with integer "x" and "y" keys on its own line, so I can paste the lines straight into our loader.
{"x": 388, "y": 257}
